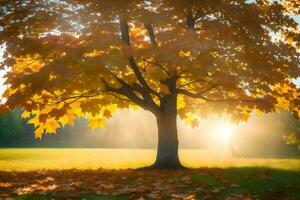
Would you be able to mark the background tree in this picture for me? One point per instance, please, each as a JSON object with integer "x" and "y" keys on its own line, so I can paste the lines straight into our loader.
{"x": 292, "y": 132}
{"x": 13, "y": 128}
{"x": 72, "y": 58}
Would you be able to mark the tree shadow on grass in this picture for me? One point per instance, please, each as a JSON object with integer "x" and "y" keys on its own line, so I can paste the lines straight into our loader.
{"x": 86, "y": 197}
{"x": 202, "y": 183}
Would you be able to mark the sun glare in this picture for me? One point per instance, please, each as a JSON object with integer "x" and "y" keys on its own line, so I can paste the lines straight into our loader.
{"x": 225, "y": 132}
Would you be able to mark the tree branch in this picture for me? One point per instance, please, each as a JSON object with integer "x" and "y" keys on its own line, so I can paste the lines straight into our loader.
{"x": 198, "y": 95}
{"x": 117, "y": 97}
{"x": 83, "y": 95}
{"x": 127, "y": 92}
{"x": 151, "y": 33}
{"x": 158, "y": 65}
{"x": 146, "y": 90}
{"x": 125, "y": 38}
{"x": 190, "y": 20}
{"x": 138, "y": 73}
{"x": 124, "y": 30}
{"x": 135, "y": 87}
{"x": 195, "y": 81}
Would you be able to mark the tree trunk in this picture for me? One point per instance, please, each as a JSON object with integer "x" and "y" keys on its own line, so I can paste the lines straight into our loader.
{"x": 167, "y": 150}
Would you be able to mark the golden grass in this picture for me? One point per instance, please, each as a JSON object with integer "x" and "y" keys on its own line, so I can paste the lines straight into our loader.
{"x": 26, "y": 159}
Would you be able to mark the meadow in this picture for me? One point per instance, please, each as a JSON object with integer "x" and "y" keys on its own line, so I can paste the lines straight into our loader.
{"x": 44, "y": 173}
{"x": 27, "y": 159}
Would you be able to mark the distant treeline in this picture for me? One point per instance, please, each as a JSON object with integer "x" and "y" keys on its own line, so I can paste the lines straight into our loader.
{"x": 15, "y": 132}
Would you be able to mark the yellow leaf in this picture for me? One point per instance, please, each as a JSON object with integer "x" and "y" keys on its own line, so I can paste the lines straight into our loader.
{"x": 190, "y": 118}
{"x": 288, "y": 40}
{"x": 4, "y": 109}
{"x": 67, "y": 119}
{"x": 245, "y": 113}
{"x": 134, "y": 107}
{"x": 107, "y": 113}
{"x": 230, "y": 94}
{"x": 296, "y": 113}
{"x": 33, "y": 63}
{"x": 76, "y": 109}
{"x": 35, "y": 121}
{"x": 7, "y": 93}
{"x": 185, "y": 53}
{"x": 95, "y": 123}
{"x": 180, "y": 102}
{"x": 25, "y": 114}
{"x": 283, "y": 103}
{"x": 259, "y": 112}
{"x": 112, "y": 108}
{"x": 51, "y": 125}
{"x": 94, "y": 53}
{"x": 39, "y": 132}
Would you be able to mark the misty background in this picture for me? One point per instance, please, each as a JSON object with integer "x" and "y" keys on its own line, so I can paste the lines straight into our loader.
{"x": 259, "y": 136}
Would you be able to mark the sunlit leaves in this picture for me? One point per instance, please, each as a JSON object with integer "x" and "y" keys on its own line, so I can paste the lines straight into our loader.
{"x": 95, "y": 122}
{"x": 38, "y": 132}
{"x": 68, "y": 118}
{"x": 184, "y": 53}
{"x": 51, "y": 125}
{"x": 27, "y": 64}
{"x": 245, "y": 113}
{"x": 35, "y": 121}
{"x": 292, "y": 6}
{"x": 191, "y": 119}
{"x": 228, "y": 57}
{"x": 94, "y": 53}
{"x": 25, "y": 115}
{"x": 180, "y": 102}
{"x": 283, "y": 103}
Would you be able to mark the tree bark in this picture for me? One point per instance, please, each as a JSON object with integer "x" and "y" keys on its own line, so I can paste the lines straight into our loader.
{"x": 167, "y": 149}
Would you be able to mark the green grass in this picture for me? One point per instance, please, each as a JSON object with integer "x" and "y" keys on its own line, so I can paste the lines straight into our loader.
{"x": 27, "y": 159}
{"x": 264, "y": 183}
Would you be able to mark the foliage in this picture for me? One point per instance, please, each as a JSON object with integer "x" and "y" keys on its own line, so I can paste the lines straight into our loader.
{"x": 70, "y": 58}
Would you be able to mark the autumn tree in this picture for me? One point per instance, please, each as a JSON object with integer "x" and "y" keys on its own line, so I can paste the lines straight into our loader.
{"x": 67, "y": 59}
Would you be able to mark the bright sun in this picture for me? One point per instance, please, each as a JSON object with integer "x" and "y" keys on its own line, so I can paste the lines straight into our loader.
{"x": 225, "y": 131}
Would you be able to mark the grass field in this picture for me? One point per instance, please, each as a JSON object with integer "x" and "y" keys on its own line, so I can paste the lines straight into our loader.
{"x": 36, "y": 174}
{"x": 26, "y": 159}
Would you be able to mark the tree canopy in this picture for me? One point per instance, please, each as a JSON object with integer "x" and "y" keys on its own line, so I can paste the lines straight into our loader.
{"x": 71, "y": 58}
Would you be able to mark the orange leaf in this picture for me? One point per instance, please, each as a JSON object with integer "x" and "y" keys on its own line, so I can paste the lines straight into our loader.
{"x": 4, "y": 109}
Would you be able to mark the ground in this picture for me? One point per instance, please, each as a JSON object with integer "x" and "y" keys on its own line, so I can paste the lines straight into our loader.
{"x": 48, "y": 174}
